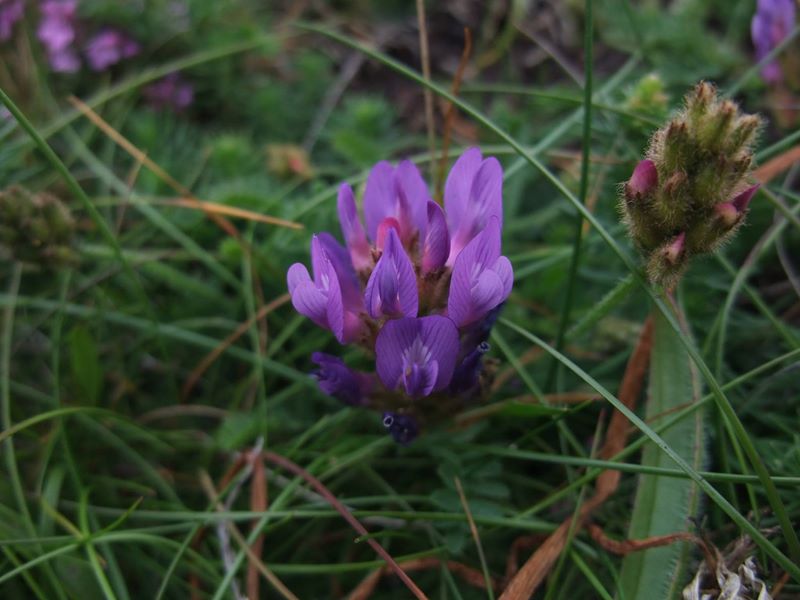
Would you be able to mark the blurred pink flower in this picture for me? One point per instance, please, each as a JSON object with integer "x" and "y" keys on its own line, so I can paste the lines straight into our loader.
{"x": 170, "y": 92}
{"x": 11, "y": 11}
{"x": 109, "y": 47}
{"x": 57, "y": 33}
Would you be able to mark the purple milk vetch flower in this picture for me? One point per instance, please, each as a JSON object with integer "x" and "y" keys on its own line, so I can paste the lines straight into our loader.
{"x": 771, "y": 24}
{"x": 436, "y": 247}
{"x": 170, "y": 92}
{"x": 352, "y": 230}
{"x": 11, "y": 11}
{"x": 109, "y": 47}
{"x": 338, "y": 380}
{"x": 482, "y": 278}
{"x": 322, "y": 299}
{"x": 392, "y": 288}
{"x": 396, "y": 192}
{"x": 473, "y": 193}
{"x": 417, "y": 287}
{"x": 417, "y": 354}
{"x": 56, "y": 31}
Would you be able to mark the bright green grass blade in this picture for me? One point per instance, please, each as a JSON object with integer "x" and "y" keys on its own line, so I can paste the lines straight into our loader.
{"x": 663, "y": 505}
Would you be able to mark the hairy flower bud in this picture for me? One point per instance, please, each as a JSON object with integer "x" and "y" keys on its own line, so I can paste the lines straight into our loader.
{"x": 691, "y": 192}
{"x": 36, "y": 228}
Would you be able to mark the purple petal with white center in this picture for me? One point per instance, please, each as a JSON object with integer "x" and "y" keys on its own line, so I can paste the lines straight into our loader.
{"x": 380, "y": 197}
{"x": 436, "y": 246}
{"x": 481, "y": 279}
{"x": 392, "y": 288}
{"x": 353, "y": 232}
{"x": 321, "y": 299}
{"x": 485, "y": 200}
{"x": 419, "y": 354}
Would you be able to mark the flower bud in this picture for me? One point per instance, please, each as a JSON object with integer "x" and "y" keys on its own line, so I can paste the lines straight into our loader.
{"x": 36, "y": 228}
{"x": 643, "y": 181}
{"x": 695, "y": 179}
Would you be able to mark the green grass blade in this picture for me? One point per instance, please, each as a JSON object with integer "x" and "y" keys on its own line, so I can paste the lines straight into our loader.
{"x": 663, "y": 506}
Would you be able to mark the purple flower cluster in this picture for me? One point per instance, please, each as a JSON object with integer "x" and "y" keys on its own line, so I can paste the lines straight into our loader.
{"x": 11, "y": 11}
{"x": 58, "y": 32}
{"x": 170, "y": 92}
{"x": 109, "y": 47}
{"x": 416, "y": 285}
{"x": 772, "y": 22}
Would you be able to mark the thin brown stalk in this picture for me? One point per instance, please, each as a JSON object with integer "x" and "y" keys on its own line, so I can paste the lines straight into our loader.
{"x": 472, "y": 576}
{"x": 538, "y": 566}
{"x": 209, "y": 358}
{"x": 475, "y": 535}
{"x": 426, "y": 73}
{"x": 211, "y": 492}
{"x": 450, "y": 113}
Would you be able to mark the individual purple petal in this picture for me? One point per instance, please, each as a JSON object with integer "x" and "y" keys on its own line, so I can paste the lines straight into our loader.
{"x": 379, "y": 196}
{"x": 466, "y": 374}
{"x": 392, "y": 288}
{"x": 413, "y": 198}
{"x": 348, "y": 280}
{"x": 436, "y": 246}
{"x": 481, "y": 278}
{"x": 399, "y": 193}
{"x": 307, "y": 299}
{"x": 459, "y": 184}
{"x": 484, "y": 200}
{"x": 321, "y": 299}
{"x": 419, "y": 354}
{"x": 353, "y": 232}
{"x": 337, "y": 379}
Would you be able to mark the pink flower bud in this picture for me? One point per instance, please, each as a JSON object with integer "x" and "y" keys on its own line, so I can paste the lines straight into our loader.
{"x": 644, "y": 179}
{"x": 743, "y": 199}
{"x": 675, "y": 249}
{"x": 727, "y": 213}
